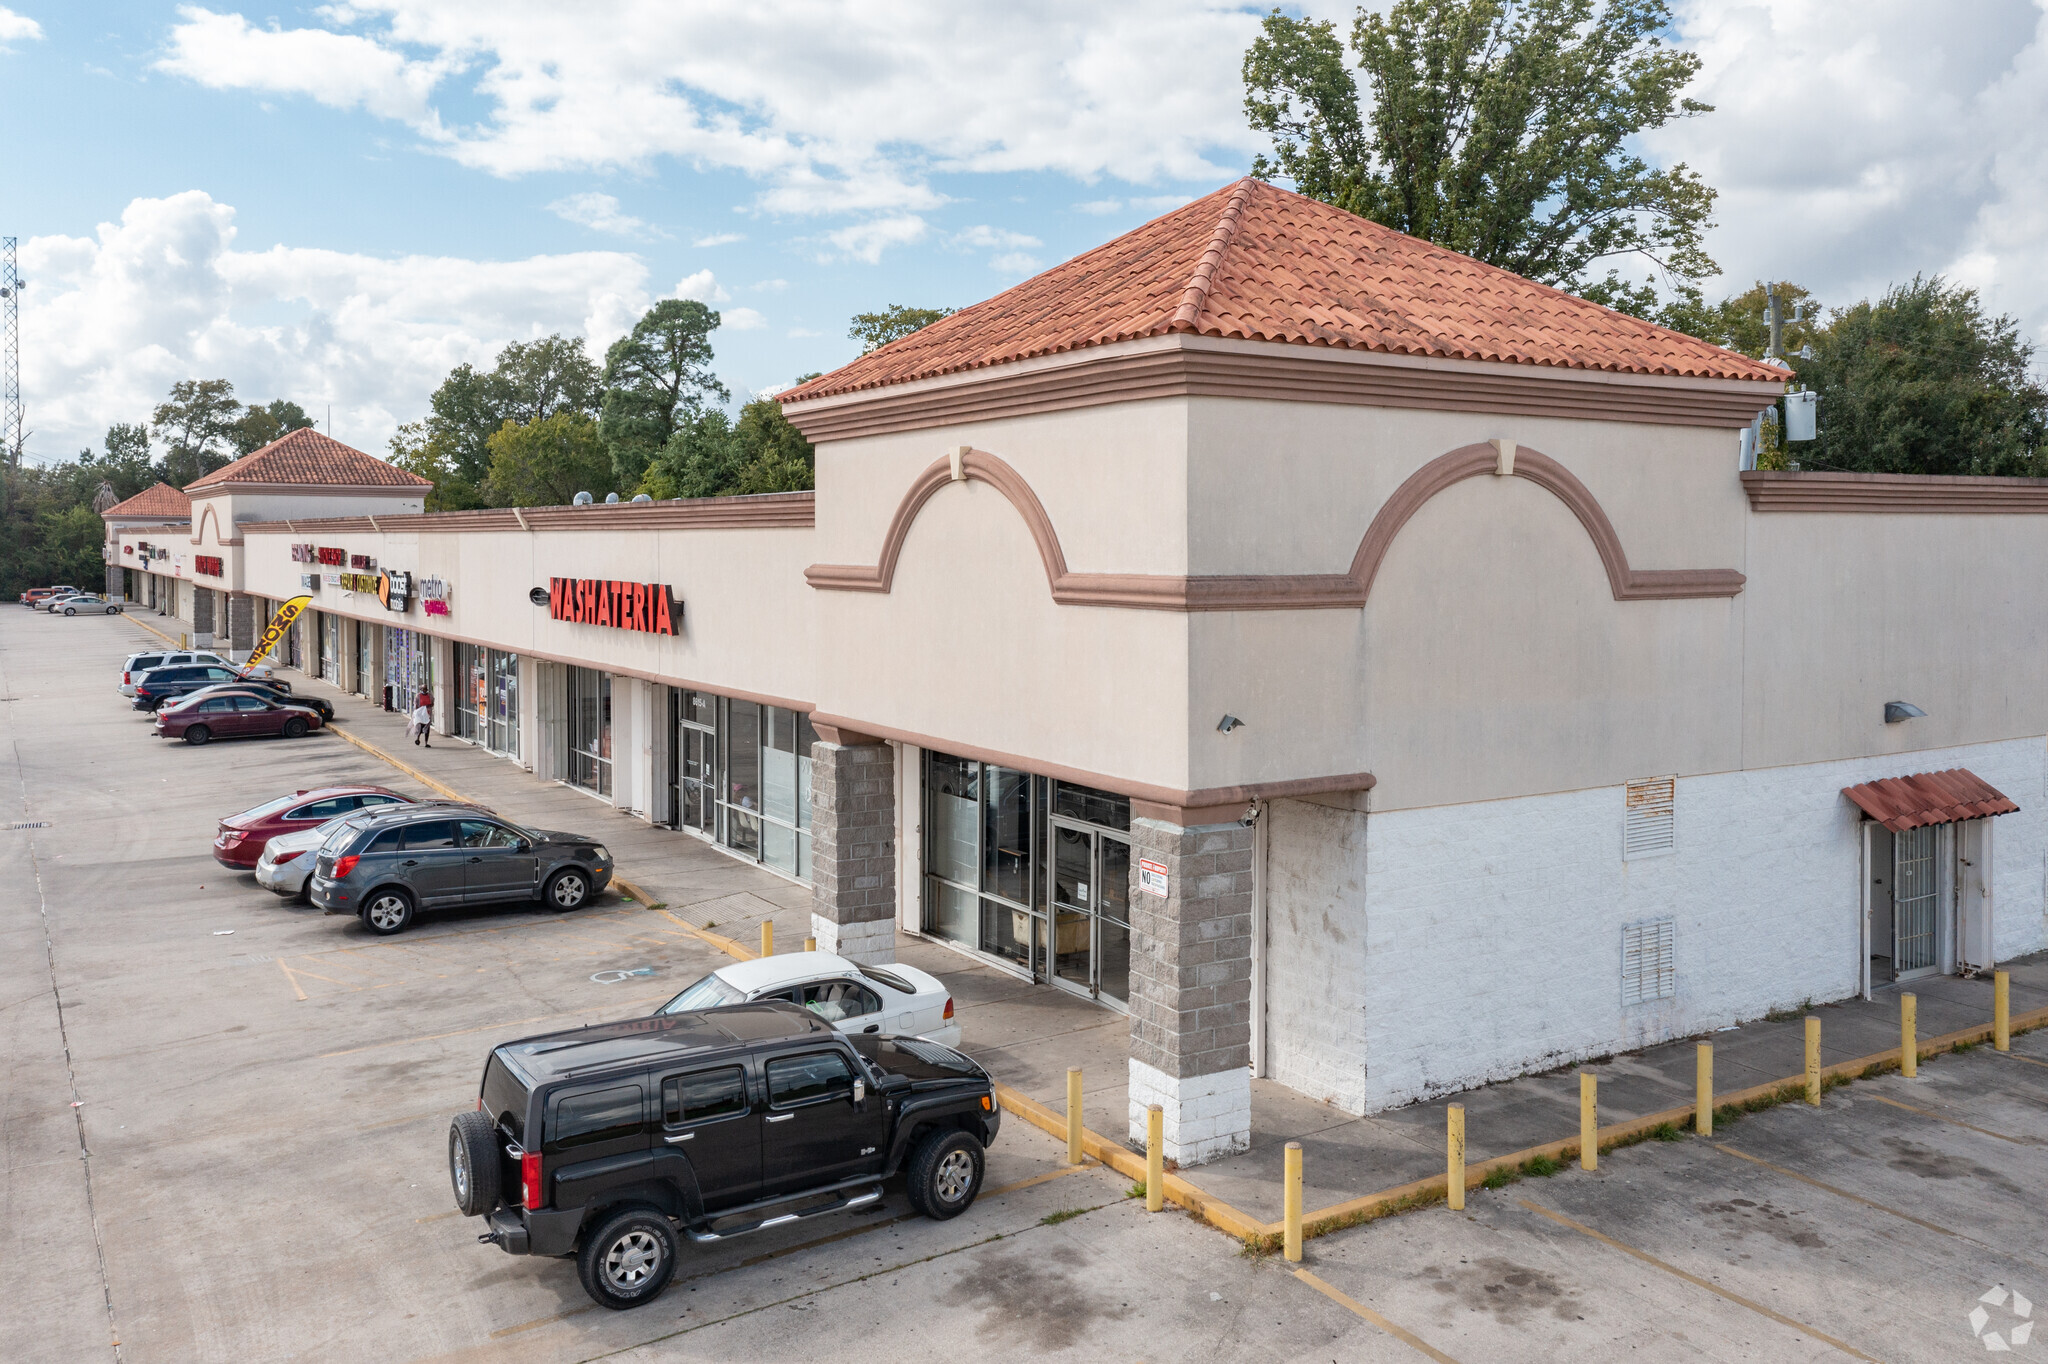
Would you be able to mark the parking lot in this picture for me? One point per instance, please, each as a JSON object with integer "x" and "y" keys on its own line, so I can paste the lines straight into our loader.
{"x": 223, "y": 1137}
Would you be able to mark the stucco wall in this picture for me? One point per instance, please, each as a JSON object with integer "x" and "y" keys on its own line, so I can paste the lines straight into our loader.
{"x": 1492, "y": 931}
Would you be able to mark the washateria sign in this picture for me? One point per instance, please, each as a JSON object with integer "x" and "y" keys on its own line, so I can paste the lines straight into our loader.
{"x": 646, "y": 607}
{"x": 274, "y": 631}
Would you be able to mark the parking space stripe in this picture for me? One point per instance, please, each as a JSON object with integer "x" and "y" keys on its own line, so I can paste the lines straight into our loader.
{"x": 2015, "y": 1056}
{"x": 1839, "y": 1193}
{"x": 1400, "y": 1333}
{"x": 296, "y": 988}
{"x": 1696, "y": 1280}
{"x": 1956, "y": 1122}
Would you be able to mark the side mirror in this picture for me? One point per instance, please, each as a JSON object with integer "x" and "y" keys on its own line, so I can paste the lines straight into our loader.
{"x": 522, "y": 846}
{"x": 860, "y": 1092}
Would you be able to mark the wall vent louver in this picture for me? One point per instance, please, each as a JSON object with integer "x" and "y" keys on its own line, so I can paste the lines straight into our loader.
{"x": 1649, "y": 829}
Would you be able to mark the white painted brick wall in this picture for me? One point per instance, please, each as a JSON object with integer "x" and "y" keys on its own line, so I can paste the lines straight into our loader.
{"x": 1201, "y": 1117}
{"x": 1492, "y": 942}
{"x": 872, "y": 943}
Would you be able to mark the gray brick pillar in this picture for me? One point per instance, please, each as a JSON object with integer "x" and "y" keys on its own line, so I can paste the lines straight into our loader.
{"x": 117, "y": 582}
{"x": 853, "y": 849}
{"x": 202, "y": 611}
{"x": 241, "y": 623}
{"x": 1191, "y": 988}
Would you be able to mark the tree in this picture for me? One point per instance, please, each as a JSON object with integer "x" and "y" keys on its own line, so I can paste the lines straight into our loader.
{"x": 713, "y": 456}
{"x": 657, "y": 378}
{"x": 538, "y": 379}
{"x": 1497, "y": 128}
{"x": 546, "y": 463}
{"x": 126, "y": 464}
{"x": 1742, "y": 321}
{"x": 1923, "y": 382}
{"x": 875, "y": 330}
{"x": 198, "y": 422}
{"x": 259, "y": 426}
{"x": 418, "y": 449}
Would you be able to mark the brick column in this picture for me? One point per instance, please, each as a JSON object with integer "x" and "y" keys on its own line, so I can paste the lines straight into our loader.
{"x": 202, "y": 612}
{"x": 241, "y": 624}
{"x": 1191, "y": 989}
{"x": 853, "y": 848}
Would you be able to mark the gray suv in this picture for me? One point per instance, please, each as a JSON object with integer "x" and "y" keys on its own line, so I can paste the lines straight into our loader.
{"x": 388, "y": 867}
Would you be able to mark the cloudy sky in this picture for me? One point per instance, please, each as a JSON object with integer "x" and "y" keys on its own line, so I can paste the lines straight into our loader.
{"x": 337, "y": 203}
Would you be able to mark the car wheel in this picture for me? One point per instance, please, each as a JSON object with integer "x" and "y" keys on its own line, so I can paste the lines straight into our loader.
{"x": 567, "y": 890}
{"x": 197, "y": 734}
{"x": 473, "y": 1163}
{"x": 629, "y": 1259}
{"x": 113, "y": 610}
{"x": 945, "y": 1174}
{"x": 70, "y": 610}
{"x": 387, "y": 912}
{"x": 295, "y": 728}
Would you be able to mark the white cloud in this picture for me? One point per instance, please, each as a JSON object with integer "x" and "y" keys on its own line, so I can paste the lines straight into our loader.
{"x": 600, "y": 213}
{"x": 742, "y": 319}
{"x": 17, "y": 28}
{"x": 847, "y": 116}
{"x": 720, "y": 239}
{"x": 1016, "y": 263}
{"x": 1100, "y": 206}
{"x": 983, "y": 236}
{"x": 866, "y": 241}
{"x": 703, "y": 286}
{"x": 1855, "y": 143}
{"x": 164, "y": 294}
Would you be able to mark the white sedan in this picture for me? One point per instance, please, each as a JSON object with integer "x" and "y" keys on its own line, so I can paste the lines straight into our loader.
{"x": 895, "y": 999}
{"x": 288, "y": 858}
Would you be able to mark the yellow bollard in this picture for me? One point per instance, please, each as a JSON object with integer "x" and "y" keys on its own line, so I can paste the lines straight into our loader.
{"x": 1703, "y": 1083}
{"x": 767, "y": 937}
{"x": 1073, "y": 1115}
{"x": 1454, "y": 1184}
{"x": 810, "y": 944}
{"x": 1909, "y": 1036}
{"x": 1290, "y": 1202}
{"x": 1589, "y": 1121}
{"x": 1155, "y": 1159}
{"x": 1813, "y": 1061}
{"x": 2001, "y": 1011}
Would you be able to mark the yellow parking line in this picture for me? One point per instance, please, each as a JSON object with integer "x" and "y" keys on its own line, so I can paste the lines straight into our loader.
{"x": 1839, "y": 1193}
{"x": 296, "y": 987}
{"x": 2015, "y": 1056}
{"x": 1957, "y": 1122}
{"x": 1696, "y": 1280}
{"x": 1400, "y": 1333}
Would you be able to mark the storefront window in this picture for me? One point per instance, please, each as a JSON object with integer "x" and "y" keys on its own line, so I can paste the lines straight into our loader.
{"x": 330, "y": 648}
{"x": 504, "y": 712}
{"x": 487, "y": 698}
{"x": 590, "y": 730}
{"x": 742, "y": 776}
{"x": 408, "y": 664}
{"x": 366, "y": 660}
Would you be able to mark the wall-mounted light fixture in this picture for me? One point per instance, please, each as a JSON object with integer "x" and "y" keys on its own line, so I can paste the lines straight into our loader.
{"x": 1895, "y": 711}
{"x": 1228, "y": 723}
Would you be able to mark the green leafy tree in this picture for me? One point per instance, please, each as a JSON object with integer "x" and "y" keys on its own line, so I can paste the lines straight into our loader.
{"x": 1741, "y": 322}
{"x": 198, "y": 423}
{"x": 714, "y": 456}
{"x": 657, "y": 380}
{"x": 418, "y": 449}
{"x": 546, "y": 463}
{"x": 259, "y": 426}
{"x": 1925, "y": 382}
{"x": 537, "y": 379}
{"x": 126, "y": 464}
{"x": 875, "y": 330}
{"x": 1497, "y": 128}
{"x": 464, "y": 413}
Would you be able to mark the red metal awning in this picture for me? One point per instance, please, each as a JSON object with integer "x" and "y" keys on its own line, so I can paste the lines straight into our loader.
{"x": 1902, "y": 803}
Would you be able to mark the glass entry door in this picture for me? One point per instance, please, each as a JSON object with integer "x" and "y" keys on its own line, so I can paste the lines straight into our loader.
{"x": 1091, "y": 911}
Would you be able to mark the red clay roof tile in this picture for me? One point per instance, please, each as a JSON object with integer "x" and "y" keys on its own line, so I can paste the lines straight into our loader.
{"x": 162, "y": 500}
{"x": 1255, "y": 262}
{"x": 306, "y": 456}
{"x": 1902, "y": 803}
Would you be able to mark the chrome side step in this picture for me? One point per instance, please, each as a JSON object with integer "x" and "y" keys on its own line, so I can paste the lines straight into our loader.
{"x": 859, "y": 1200}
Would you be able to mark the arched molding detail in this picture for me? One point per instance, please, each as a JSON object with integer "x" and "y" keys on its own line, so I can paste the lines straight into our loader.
{"x": 1276, "y": 591}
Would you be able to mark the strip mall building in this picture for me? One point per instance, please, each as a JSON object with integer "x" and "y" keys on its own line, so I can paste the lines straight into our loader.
{"x": 1364, "y": 667}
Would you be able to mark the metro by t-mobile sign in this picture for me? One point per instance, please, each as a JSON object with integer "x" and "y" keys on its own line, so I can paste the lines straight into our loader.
{"x": 646, "y": 607}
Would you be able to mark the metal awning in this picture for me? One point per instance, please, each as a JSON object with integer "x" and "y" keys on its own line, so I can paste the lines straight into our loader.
{"x": 1902, "y": 803}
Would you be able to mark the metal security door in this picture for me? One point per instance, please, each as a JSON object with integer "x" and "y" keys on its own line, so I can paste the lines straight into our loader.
{"x": 1091, "y": 916}
{"x": 1916, "y": 902}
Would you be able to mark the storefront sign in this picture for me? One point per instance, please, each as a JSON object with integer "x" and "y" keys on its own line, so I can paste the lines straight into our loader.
{"x": 358, "y": 582}
{"x": 209, "y": 565}
{"x": 329, "y": 555}
{"x": 645, "y": 607}
{"x": 303, "y": 554}
{"x": 363, "y": 562}
{"x": 1152, "y": 876}
{"x": 394, "y": 589}
{"x": 334, "y": 580}
{"x": 311, "y": 580}
{"x": 434, "y": 596}
{"x": 127, "y": 549}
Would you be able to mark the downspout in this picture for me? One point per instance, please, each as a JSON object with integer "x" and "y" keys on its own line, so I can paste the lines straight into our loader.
{"x": 1254, "y": 815}
{"x": 1863, "y": 964}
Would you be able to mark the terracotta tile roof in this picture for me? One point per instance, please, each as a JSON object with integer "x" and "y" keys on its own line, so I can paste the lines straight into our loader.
{"x": 306, "y": 456}
{"x": 162, "y": 500}
{"x": 1902, "y": 803}
{"x": 1259, "y": 263}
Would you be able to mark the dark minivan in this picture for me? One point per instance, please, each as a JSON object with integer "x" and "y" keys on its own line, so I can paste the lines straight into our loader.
{"x": 600, "y": 1141}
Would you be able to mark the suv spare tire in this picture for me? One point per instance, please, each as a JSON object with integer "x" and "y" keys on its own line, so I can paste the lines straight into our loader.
{"x": 473, "y": 1163}
{"x": 945, "y": 1174}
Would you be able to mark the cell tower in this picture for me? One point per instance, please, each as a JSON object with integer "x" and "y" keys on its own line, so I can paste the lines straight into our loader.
{"x": 11, "y": 433}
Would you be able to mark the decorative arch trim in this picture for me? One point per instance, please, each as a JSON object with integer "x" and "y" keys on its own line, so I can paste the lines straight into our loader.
{"x": 1274, "y": 591}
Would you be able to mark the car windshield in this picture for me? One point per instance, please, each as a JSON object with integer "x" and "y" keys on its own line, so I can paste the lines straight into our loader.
{"x": 708, "y": 993}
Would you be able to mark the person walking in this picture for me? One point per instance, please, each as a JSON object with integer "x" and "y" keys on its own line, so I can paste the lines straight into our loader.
{"x": 422, "y": 725}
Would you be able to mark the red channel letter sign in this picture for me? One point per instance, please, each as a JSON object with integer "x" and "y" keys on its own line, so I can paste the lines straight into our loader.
{"x": 646, "y": 607}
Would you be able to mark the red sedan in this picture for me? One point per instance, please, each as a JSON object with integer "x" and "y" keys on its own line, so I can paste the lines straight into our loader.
{"x": 241, "y": 838}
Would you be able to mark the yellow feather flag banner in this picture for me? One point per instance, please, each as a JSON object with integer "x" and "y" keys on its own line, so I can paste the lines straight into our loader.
{"x": 274, "y": 631}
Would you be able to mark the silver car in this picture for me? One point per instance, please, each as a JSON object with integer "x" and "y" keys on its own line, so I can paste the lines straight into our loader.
{"x": 287, "y": 862}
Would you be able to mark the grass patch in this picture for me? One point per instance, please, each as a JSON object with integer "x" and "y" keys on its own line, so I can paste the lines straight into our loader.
{"x": 1541, "y": 1166}
{"x": 1499, "y": 1177}
{"x": 1787, "y": 1015}
{"x": 1959, "y": 1048}
{"x": 1137, "y": 1190}
{"x": 1053, "y": 1219}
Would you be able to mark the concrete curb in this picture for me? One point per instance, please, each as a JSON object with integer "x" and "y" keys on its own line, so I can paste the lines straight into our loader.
{"x": 422, "y": 778}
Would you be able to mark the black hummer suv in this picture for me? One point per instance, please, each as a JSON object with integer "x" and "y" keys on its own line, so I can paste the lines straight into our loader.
{"x": 601, "y": 1141}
